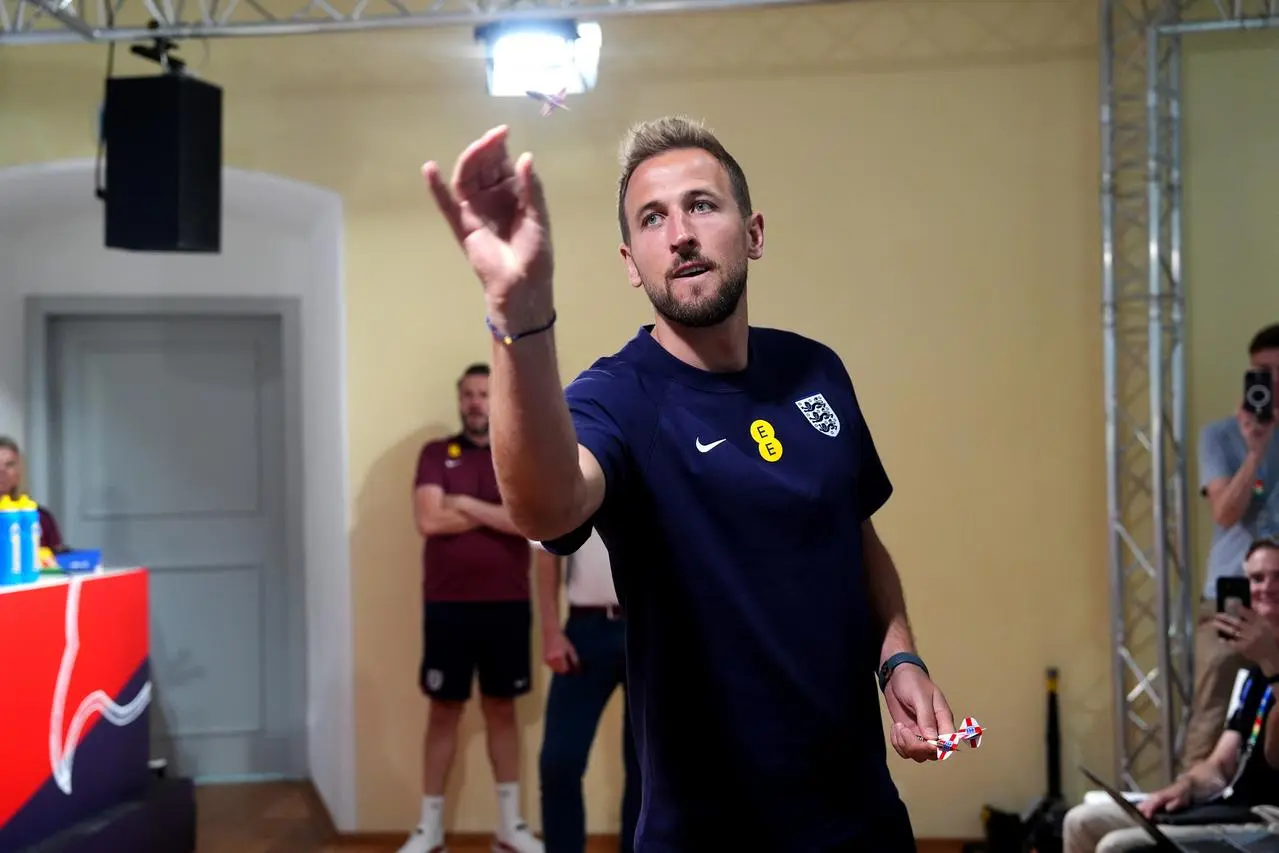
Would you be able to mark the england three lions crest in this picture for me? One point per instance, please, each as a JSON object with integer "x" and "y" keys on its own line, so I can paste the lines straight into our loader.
{"x": 820, "y": 414}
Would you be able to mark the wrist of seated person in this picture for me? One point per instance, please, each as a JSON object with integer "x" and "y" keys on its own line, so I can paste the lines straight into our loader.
{"x": 1197, "y": 790}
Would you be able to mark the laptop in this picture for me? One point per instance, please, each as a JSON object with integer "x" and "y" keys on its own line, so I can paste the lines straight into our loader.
{"x": 1221, "y": 843}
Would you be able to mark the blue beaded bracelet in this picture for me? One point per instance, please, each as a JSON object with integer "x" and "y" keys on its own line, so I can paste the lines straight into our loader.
{"x": 509, "y": 339}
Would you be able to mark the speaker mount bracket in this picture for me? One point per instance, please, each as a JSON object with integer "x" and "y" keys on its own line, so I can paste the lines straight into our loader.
{"x": 159, "y": 51}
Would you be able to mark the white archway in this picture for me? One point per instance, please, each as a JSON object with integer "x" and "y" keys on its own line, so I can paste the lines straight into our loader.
{"x": 288, "y": 235}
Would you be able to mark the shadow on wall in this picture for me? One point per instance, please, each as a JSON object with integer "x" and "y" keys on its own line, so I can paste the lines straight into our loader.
{"x": 384, "y": 539}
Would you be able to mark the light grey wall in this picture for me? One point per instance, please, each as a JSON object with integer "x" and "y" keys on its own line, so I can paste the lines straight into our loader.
{"x": 282, "y": 240}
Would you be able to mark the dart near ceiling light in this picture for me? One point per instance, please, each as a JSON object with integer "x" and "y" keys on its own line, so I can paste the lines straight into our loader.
{"x": 544, "y": 56}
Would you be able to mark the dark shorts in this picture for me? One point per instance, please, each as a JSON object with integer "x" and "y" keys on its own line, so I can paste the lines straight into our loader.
{"x": 460, "y": 638}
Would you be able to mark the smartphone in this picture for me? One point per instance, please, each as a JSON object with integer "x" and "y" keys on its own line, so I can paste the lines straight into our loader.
{"x": 1232, "y": 593}
{"x": 1258, "y": 390}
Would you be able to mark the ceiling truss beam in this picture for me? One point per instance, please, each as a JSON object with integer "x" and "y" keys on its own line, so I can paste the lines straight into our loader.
{"x": 32, "y": 22}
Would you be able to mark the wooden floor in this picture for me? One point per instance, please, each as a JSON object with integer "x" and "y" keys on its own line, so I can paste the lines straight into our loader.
{"x": 287, "y": 818}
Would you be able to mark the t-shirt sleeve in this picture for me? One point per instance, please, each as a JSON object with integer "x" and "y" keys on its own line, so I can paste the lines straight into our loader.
{"x": 430, "y": 466}
{"x": 874, "y": 488}
{"x": 1213, "y": 463}
{"x": 591, "y": 404}
{"x": 1245, "y": 698}
{"x": 597, "y": 403}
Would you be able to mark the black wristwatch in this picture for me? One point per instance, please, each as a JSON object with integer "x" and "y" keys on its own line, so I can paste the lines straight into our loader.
{"x": 894, "y": 661}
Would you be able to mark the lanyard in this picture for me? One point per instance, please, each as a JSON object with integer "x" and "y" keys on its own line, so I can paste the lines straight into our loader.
{"x": 1267, "y": 699}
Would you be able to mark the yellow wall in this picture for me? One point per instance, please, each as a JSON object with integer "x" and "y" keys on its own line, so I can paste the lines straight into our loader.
{"x": 928, "y": 176}
{"x": 1232, "y": 119}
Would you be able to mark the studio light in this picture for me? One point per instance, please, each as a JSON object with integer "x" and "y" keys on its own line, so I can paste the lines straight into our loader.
{"x": 545, "y": 56}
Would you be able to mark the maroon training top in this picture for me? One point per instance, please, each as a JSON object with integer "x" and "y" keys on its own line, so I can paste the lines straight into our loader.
{"x": 50, "y": 535}
{"x": 481, "y": 564}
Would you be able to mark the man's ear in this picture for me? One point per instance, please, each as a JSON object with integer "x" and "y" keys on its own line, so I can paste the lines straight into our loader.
{"x": 631, "y": 271}
{"x": 755, "y": 234}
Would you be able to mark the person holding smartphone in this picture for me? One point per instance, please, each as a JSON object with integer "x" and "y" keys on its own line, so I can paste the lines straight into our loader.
{"x": 1239, "y": 478}
{"x": 1219, "y": 792}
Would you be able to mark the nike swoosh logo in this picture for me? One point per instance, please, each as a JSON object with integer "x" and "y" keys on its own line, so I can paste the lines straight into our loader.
{"x": 706, "y": 447}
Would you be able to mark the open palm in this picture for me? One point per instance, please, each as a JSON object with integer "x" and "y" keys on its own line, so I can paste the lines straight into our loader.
{"x": 497, "y": 212}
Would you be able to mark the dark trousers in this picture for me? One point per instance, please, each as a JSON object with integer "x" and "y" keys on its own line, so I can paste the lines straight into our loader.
{"x": 573, "y": 711}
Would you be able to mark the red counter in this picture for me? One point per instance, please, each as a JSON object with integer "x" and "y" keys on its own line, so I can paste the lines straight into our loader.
{"x": 75, "y": 677}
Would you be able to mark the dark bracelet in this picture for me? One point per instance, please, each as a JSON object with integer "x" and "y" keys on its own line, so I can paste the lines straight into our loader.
{"x": 509, "y": 339}
{"x": 895, "y": 661}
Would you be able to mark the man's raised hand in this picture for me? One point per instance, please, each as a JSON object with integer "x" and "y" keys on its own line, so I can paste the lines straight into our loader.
{"x": 497, "y": 212}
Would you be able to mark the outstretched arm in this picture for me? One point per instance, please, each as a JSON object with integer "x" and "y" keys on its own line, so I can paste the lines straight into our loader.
{"x": 550, "y": 484}
{"x": 497, "y": 212}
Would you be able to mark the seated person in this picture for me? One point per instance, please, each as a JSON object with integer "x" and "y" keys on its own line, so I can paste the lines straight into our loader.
{"x": 11, "y": 485}
{"x": 1238, "y": 458}
{"x": 1242, "y": 771}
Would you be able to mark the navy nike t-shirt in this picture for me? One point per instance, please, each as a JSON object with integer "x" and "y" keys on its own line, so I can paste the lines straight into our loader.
{"x": 732, "y": 515}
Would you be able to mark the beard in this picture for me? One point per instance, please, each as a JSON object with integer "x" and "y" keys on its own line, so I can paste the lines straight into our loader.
{"x": 475, "y": 424}
{"x": 706, "y": 310}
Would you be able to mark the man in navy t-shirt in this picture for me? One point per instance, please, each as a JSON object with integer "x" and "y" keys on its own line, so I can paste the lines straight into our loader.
{"x": 733, "y": 477}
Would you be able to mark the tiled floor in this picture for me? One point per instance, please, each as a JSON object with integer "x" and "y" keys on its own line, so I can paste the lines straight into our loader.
{"x": 286, "y": 818}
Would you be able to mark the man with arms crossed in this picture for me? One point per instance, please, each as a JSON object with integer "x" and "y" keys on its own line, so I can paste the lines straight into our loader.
{"x": 588, "y": 657}
{"x": 1241, "y": 773}
{"x": 1239, "y": 476}
{"x": 730, "y": 472}
{"x": 476, "y": 617}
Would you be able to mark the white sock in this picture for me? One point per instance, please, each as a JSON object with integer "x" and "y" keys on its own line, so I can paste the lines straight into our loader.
{"x": 508, "y": 808}
{"x": 432, "y": 820}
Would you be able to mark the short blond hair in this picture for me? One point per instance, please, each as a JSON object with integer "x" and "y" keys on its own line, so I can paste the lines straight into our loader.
{"x": 648, "y": 139}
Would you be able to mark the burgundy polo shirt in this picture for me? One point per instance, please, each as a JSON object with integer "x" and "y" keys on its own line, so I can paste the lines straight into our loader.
{"x": 482, "y": 564}
{"x": 50, "y": 535}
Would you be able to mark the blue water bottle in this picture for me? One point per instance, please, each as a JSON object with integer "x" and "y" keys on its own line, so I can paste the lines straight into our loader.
{"x": 10, "y": 542}
{"x": 29, "y": 515}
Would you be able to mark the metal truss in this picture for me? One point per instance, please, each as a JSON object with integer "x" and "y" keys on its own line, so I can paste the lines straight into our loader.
{"x": 1154, "y": 594}
{"x": 78, "y": 21}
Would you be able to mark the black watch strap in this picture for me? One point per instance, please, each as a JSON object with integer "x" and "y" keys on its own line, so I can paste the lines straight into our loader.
{"x": 894, "y": 661}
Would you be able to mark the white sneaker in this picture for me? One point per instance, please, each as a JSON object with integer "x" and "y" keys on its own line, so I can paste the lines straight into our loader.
{"x": 520, "y": 841}
{"x": 420, "y": 842}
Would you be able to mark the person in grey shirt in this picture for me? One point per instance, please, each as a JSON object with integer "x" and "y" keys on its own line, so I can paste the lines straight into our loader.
{"x": 1239, "y": 478}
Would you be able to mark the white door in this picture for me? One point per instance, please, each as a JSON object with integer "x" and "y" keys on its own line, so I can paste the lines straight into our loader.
{"x": 167, "y": 452}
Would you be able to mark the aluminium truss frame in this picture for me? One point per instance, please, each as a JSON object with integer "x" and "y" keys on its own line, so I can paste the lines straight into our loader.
{"x": 26, "y": 22}
{"x": 1152, "y": 584}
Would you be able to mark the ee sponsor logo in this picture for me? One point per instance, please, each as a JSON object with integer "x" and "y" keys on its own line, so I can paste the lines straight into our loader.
{"x": 770, "y": 448}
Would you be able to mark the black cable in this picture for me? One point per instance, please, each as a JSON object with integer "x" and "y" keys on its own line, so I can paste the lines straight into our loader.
{"x": 99, "y": 190}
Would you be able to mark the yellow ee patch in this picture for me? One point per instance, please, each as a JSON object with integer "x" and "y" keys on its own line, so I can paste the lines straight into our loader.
{"x": 764, "y": 437}
{"x": 455, "y": 450}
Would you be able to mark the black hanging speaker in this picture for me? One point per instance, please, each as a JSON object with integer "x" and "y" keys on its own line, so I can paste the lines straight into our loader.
{"x": 163, "y": 139}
